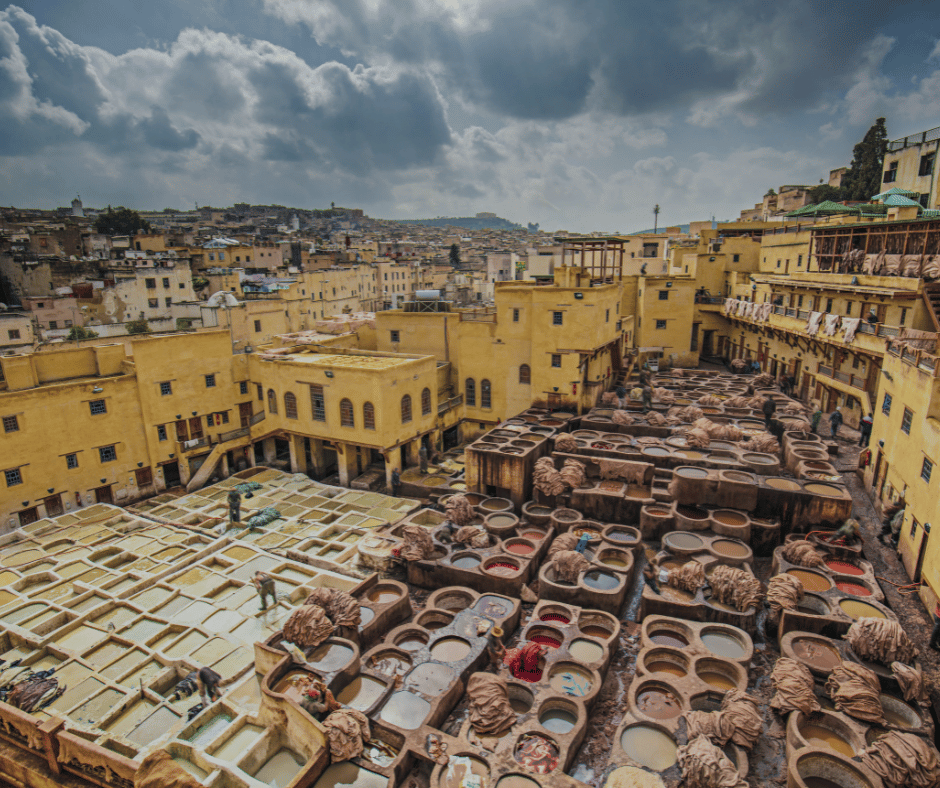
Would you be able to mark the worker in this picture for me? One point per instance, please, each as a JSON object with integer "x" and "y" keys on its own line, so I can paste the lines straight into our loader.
{"x": 264, "y": 585}
{"x": 207, "y": 680}
{"x": 314, "y": 700}
{"x": 835, "y": 421}
{"x": 935, "y": 636}
{"x": 769, "y": 408}
{"x": 647, "y": 397}
{"x": 650, "y": 573}
{"x": 814, "y": 422}
{"x": 234, "y": 506}
{"x": 872, "y": 316}
{"x": 889, "y": 512}
{"x": 785, "y": 387}
{"x": 396, "y": 483}
{"x": 423, "y": 458}
{"x": 849, "y": 532}
{"x": 864, "y": 427}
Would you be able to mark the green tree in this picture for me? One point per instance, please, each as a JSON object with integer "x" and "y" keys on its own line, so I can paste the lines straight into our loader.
{"x": 79, "y": 332}
{"x": 123, "y": 221}
{"x": 825, "y": 192}
{"x": 138, "y": 327}
{"x": 455, "y": 255}
{"x": 863, "y": 180}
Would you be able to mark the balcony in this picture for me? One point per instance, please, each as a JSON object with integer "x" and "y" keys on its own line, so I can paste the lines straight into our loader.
{"x": 446, "y": 405}
{"x": 855, "y": 381}
{"x": 241, "y": 432}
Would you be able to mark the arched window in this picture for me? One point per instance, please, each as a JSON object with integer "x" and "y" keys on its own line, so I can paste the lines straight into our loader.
{"x": 425, "y": 402}
{"x": 368, "y": 416}
{"x": 272, "y": 401}
{"x": 471, "y": 392}
{"x": 346, "y": 418}
{"x": 290, "y": 405}
{"x": 406, "y": 409}
{"x": 485, "y": 393}
{"x": 525, "y": 374}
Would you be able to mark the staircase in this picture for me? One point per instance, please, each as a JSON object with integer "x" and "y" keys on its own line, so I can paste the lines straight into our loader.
{"x": 212, "y": 460}
{"x": 931, "y": 294}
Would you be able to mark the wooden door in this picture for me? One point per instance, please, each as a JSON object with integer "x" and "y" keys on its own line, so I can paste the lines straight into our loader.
{"x": 182, "y": 431}
{"x": 28, "y": 516}
{"x": 103, "y": 494}
{"x": 195, "y": 427}
{"x": 244, "y": 413}
{"x": 53, "y": 505}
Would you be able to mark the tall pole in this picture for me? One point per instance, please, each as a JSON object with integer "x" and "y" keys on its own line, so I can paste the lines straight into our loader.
{"x": 655, "y": 218}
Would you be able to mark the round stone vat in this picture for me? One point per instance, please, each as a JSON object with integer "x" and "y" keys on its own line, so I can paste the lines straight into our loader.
{"x": 822, "y": 770}
{"x": 731, "y": 549}
{"x": 564, "y": 519}
{"x": 558, "y": 716}
{"x": 899, "y": 714}
{"x": 456, "y": 776}
{"x": 596, "y": 625}
{"x": 669, "y": 633}
{"x": 434, "y": 619}
{"x": 555, "y": 614}
{"x": 536, "y": 513}
{"x": 569, "y": 678}
{"x": 518, "y": 546}
{"x": 657, "y": 700}
{"x": 384, "y": 593}
{"x": 545, "y": 636}
{"x": 490, "y": 505}
{"x": 501, "y": 566}
{"x": 818, "y": 654}
{"x": 853, "y": 588}
{"x": 814, "y": 605}
{"x": 465, "y": 560}
{"x": 649, "y": 745}
{"x": 856, "y": 609}
{"x": 586, "y": 650}
{"x": 666, "y": 660}
{"x": 599, "y": 580}
{"x": 825, "y": 490}
{"x": 692, "y": 518}
{"x": 531, "y": 533}
{"x": 614, "y": 559}
{"x": 683, "y": 542}
{"x": 411, "y": 639}
{"x": 621, "y": 535}
{"x": 500, "y": 524}
{"x": 453, "y": 599}
{"x": 450, "y": 649}
{"x": 825, "y": 730}
{"x": 843, "y": 567}
{"x": 520, "y": 698}
{"x": 720, "y": 674}
{"x": 811, "y": 580}
{"x": 723, "y": 642}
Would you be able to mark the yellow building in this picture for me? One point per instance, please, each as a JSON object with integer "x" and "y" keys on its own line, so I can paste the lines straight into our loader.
{"x": 910, "y": 165}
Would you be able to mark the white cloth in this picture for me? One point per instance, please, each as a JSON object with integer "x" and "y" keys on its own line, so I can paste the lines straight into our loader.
{"x": 850, "y": 326}
{"x": 812, "y": 325}
{"x": 831, "y": 325}
{"x": 730, "y": 305}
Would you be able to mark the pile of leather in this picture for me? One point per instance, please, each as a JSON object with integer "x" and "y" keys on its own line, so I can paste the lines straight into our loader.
{"x": 738, "y": 721}
{"x": 547, "y": 479}
{"x": 881, "y": 640}
{"x": 709, "y": 401}
{"x": 159, "y": 770}
{"x": 622, "y": 417}
{"x": 416, "y": 543}
{"x": 459, "y": 510}
{"x": 340, "y": 607}
{"x": 307, "y": 626}
{"x": 735, "y": 587}
{"x": 656, "y": 419}
{"x": 793, "y": 683}
{"x": 473, "y": 536}
{"x": 705, "y": 766}
{"x": 696, "y": 438}
{"x": 903, "y": 760}
{"x": 763, "y": 442}
{"x": 689, "y": 577}
{"x": 784, "y": 592}
{"x": 569, "y": 564}
{"x": 490, "y": 711}
{"x": 566, "y": 443}
{"x": 802, "y": 553}
{"x": 666, "y": 396}
{"x": 723, "y": 432}
{"x": 856, "y": 692}
{"x": 911, "y": 681}
{"x": 689, "y": 413}
{"x": 346, "y": 730}
{"x": 610, "y": 399}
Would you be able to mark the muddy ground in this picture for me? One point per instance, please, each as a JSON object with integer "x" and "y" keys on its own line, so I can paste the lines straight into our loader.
{"x": 768, "y": 759}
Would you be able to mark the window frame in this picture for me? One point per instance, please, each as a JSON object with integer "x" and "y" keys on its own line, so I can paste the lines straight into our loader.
{"x": 525, "y": 375}
{"x": 886, "y": 404}
{"x": 470, "y": 392}
{"x": 926, "y": 469}
{"x": 907, "y": 420}
{"x": 161, "y": 432}
{"x": 660, "y": 325}
{"x": 11, "y": 423}
{"x": 486, "y": 394}
{"x": 97, "y": 403}
{"x": 107, "y": 450}
{"x": 13, "y": 477}
{"x": 425, "y": 401}
{"x": 556, "y": 360}
{"x": 347, "y": 414}
{"x": 210, "y": 380}
{"x": 407, "y": 412}
{"x": 272, "y": 402}
{"x": 290, "y": 405}
{"x": 166, "y": 388}
{"x": 368, "y": 416}
{"x": 317, "y": 402}
{"x": 558, "y": 318}
{"x": 71, "y": 461}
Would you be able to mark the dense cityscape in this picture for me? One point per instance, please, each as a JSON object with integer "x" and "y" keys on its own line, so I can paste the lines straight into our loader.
{"x": 298, "y": 497}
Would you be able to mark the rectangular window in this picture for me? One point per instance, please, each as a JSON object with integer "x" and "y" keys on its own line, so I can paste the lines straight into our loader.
{"x": 166, "y": 283}
{"x": 97, "y": 407}
{"x": 151, "y": 284}
{"x": 257, "y": 326}
{"x": 68, "y": 323}
{"x": 848, "y": 307}
{"x": 166, "y": 387}
{"x": 663, "y": 295}
{"x": 914, "y": 525}
{"x": 260, "y": 392}
{"x": 11, "y": 424}
{"x": 926, "y": 469}
{"x": 13, "y": 333}
{"x": 735, "y": 258}
{"x": 395, "y": 336}
{"x": 607, "y": 316}
{"x": 221, "y": 256}
{"x": 317, "y": 404}
{"x": 903, "y": 316}
{"x": 778, "y": 263}
{"x": 107, "y": 453}
{"x": 556, "y": 360}
{"x": 153, "y": 303}
{"x": 71, "y": 461}
{"x": 225, "y": 417}
{"x": 799, "y": 302}
{"x": 144, "y": 477}
{"x": 926, "y": 163}
{"x": 891, "y": 174}
{"x": 828, "y": 304}
{"x": 168, "y": 302}
{"x": 210, "y": 381}
{"x": 558, "y": 318}
{"x": 161, "y": 432}
{"x": 515, "y": 315}
{"x": 243, "y": 387}
{"x": 906, "y": 420}
{"x": 53, "y": 324}
{"x": 13, "y": 477}
{"x": 660, "y": 324}
{"x": 799, "y": 261}
{"x": 182, "y": 285}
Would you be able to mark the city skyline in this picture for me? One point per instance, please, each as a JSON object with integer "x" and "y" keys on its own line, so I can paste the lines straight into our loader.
{"x": 420, "y": 109}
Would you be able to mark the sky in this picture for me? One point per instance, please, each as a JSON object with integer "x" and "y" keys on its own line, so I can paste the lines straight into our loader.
{"x": 577, "y": 115}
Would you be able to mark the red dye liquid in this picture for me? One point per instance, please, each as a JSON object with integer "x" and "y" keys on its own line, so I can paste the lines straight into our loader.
{"x": 843, "y": 567}
{"x": 501, "y": 568}
{"x": 853, "y": 588}
{"x": 520, "y": 549}
{"x": 555, "y": 617}
{"x": 545, "y": 640}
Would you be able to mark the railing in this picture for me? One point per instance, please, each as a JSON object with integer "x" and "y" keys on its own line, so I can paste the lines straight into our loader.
{"x": 779, "y": 310}
{"x": 241, "y": 432}
{"x": 915, "y": 139}
{"x": 854, "y": 381}
{"x": 446, "y": 405}
{"x": 824, "y": 370}
{"x": 480, "y": 316}
{"x": 845, "y": 377}
{"x": 803, "y": 314}
{"x": 928, "y": 364}
{"x": 196, "y": 443}
{"x": 791, "y": 312}
{"x": 257, "y": 417}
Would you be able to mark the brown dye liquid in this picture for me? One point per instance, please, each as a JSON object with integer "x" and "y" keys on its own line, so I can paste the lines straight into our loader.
{"x": 817, "y": 735}
{"x": 684, "y": 541}
{"x": 501, "y": 520}
{"x": 666, "y": 667}
{"x": 635, "y": 491}
{"x": 817, "y": 654}
{"x": 782, "y": 484}
{"x": 361, "y": 693}
{"x": 649, "y": 747}
{"x": 857, "y": 609}
{"x": 520, "y": 549}
{"x": 723, "y": 645}
{"x": 717, "y": 680}
{"x": 664, "y": 638}
{"x": 405, "y": 711}
{"x": 595, "y": 632}
{"x": 692, "y": 473}
{"x": 729, "y": 548}
{"x": 810, "y": 580}
{"x": 381, "y": 596}
{"x": 729, "y": 518}
{"x": 659, "y": 704}
{"x": 823, "y": 489}
{"x": 430, "y": 678}
{"x": 691, "y": 512}
{"x": 281, "y": 768}
{"x": 450, "y": 649}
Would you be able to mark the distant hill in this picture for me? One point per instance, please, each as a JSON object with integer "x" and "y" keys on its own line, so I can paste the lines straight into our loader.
{"x": 661, "y": 230}
{"x": 466, "y": 222}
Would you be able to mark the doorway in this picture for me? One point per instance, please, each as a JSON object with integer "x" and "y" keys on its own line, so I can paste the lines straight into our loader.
{"x": 244, "y": 414}
{"x": 53, "y": 505}
{"x": 171, "y": 474}
{"x": 28, "y": 516}
{"x": 103, "y": 494}
{"x": 708, "y": 338}
{"x": 195, "y": 427}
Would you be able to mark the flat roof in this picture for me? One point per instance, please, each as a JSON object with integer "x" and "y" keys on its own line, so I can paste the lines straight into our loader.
{"x": 350, "y": 362}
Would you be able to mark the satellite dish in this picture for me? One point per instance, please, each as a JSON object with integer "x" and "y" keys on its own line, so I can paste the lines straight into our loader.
{"x": 222, "y": 298}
